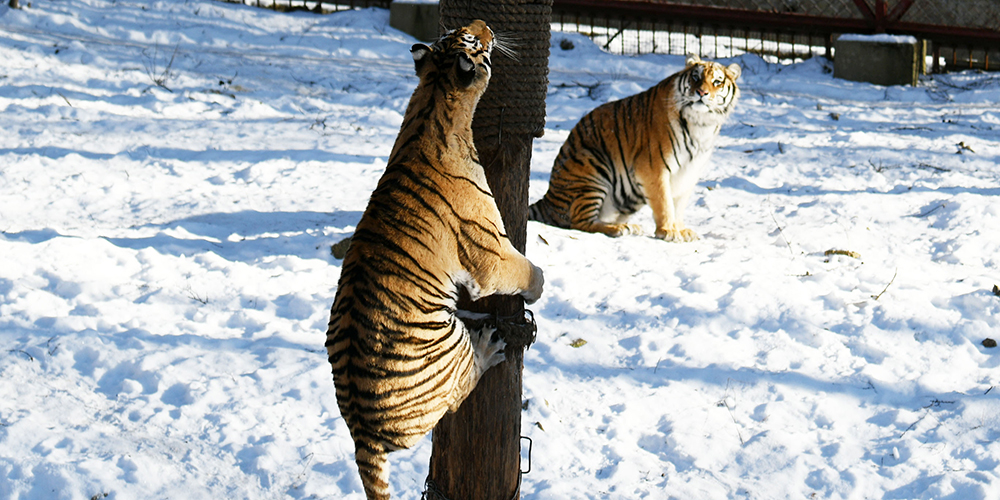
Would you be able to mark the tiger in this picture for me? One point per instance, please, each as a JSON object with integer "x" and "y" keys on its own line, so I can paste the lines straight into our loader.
{"x": 650, "y": 148}
{"x": 401, "y": 357}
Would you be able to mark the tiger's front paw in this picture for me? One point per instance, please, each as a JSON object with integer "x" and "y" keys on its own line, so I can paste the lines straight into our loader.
{"x": 534, "y": 290}
{"x": 677, "y": 235}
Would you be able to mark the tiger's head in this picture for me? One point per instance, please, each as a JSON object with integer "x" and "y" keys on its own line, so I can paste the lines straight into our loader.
{"x": 461, "y": 55}
{"x": 708, "y": 86}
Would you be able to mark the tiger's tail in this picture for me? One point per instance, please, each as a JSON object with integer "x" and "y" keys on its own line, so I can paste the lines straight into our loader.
{"x": 373, "y": 466}
{"x": 544, "y": 211}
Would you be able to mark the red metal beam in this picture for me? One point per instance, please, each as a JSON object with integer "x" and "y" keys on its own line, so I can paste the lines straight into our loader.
{"x": 899, "y": 11}
{"x": 880, "y": 9}
{"x": 866, "y": 10}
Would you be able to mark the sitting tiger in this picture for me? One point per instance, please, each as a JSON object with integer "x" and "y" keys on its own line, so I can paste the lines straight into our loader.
{"x": 401, "y": 357}
{"x": 647, "y": 148}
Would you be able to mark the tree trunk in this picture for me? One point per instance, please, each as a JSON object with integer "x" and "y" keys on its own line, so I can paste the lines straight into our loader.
{"x": 14, "y": 4}
{"x": 476, "y": 450}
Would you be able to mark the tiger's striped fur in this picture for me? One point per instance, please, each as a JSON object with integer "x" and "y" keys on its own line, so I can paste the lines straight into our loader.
{"x": 647, "y": 148}
{"x": 400, "y": 356}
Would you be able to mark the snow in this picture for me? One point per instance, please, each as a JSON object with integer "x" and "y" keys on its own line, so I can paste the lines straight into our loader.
{"x": 879, "y": 38}
{"x": 165, "y": 272}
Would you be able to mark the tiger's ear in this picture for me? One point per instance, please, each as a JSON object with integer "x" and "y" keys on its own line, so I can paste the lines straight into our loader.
{"x": 465, "y": 68}
{"x": 419, "y": 52}
{"x": 692, "y": 59}
{"x": 734, "y": 71}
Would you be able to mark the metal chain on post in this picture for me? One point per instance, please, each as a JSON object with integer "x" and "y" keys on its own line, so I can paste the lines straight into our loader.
{"x": 515, "y": 330}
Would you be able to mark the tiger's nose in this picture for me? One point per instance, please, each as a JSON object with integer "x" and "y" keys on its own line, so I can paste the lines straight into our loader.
{"x": 701, "y": 92}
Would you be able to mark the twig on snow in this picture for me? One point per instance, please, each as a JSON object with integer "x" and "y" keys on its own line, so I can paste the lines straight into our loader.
{"x": 782, "y": 233}
{"x": 938, "y": 402}
{"x": 725, "y": 402}
{"x": 913, "y": 425}
{"x": 739, "y": 434}
{"x": 847, "y": 253}
{"x": 22, "y": 351}
{"x": 591, "y": 88}
{"x": 928, "y": 166}
{"x": 876, "y": 297}
{"x": 925, "y": 214}
{"x": 159, "y": 77}
{"x": 195, "y": 296}
{"x": 65, "y": 99}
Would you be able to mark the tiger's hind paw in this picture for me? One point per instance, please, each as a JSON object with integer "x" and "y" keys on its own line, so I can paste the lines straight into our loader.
{"x": 677, "y": 235}
{"x": 624, "y": 229}
{"x": 488, "y": 353}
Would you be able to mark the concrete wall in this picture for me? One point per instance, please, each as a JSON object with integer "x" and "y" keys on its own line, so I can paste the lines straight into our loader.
{"x": 879, "y": 60}
{"x": 419, "y": 19}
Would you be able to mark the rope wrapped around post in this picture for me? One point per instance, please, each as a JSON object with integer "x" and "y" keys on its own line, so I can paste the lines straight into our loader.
{"x": 515, "y": 101}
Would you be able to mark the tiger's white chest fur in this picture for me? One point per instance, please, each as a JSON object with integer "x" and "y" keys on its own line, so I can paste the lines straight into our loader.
{"x": 688, "y": 165}
{"x": 684, "y": 179}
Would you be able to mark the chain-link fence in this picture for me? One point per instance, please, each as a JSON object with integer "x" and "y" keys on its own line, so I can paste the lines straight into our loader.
{"x": 982, "y": 14}
{"x": 824, "y": 8}
{"x": 785, "y": 30}
{"x": 778, "y": 30}
{"x": 315, "y": 6}
{"x": 967, "y": 13}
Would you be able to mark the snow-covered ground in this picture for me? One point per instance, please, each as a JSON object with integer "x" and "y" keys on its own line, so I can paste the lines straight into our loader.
{"x": 173, "y": 173}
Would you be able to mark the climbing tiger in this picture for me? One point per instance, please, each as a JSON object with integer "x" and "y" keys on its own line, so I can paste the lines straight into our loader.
{"x": 401, "y": 358}
{"x": 647, "y": 148}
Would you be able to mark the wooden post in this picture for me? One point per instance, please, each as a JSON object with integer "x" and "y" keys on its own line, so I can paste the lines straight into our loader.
{"x": 476, "y": 450}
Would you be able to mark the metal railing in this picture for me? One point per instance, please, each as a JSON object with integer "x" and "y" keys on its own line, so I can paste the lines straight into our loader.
{"x": 634, "y": 36}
